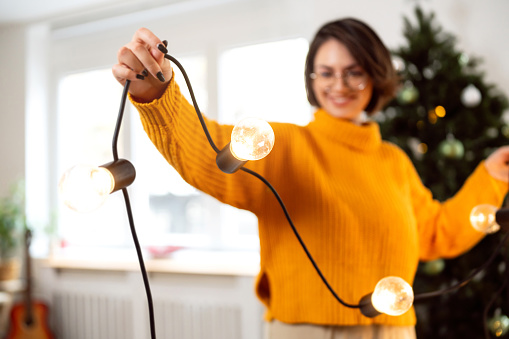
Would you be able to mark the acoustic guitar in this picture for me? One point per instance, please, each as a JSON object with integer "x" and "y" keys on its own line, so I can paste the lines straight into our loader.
{"x": 29, "y": 318}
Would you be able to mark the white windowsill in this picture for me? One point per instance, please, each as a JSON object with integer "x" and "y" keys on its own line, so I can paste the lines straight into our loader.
{"x": 233, "y": 263}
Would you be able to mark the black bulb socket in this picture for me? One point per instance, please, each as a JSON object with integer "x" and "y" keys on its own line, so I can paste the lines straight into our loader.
{"x": 122, "y": 171}
{"x": 227, "y": 162}
{"x": 502, "y": 218}
{"x": 367, "y": 308}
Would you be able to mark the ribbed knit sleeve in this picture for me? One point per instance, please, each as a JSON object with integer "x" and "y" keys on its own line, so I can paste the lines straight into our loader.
{"x": 444, "y": 228}
{"x": 174, "y": 128}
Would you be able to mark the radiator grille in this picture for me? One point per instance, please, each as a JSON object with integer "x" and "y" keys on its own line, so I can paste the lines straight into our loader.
{"x": 186, "y": 320}
{"x": 88, "y": 315}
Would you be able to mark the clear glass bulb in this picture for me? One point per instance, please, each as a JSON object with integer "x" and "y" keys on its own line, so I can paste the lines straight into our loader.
{"x": 483, "y": 218}
{"x": 252, "y": 139}
{"x": 392, "y": 296}
{"x": 84, "y": 188}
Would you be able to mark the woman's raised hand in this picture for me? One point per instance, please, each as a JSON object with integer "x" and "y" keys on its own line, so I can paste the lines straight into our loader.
{"x": 144, "y": 64}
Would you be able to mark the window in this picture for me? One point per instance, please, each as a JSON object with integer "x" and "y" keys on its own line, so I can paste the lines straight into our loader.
{"x": 168, "y": 211}
{"x": 265, "y": 81}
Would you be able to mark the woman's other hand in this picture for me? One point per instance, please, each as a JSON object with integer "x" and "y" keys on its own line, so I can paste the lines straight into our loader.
{"x": 497, "y": 164}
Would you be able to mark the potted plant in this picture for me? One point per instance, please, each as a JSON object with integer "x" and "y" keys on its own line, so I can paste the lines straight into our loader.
{"x": 12, "y": 225}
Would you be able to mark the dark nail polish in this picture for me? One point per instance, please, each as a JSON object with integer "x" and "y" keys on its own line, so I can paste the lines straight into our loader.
{"x": 162, "y": 48}
{"x": 165, "y": 42}
{"x": 144, "y": 73}
{"x": 139, "y": 76}
{"x": 160, "y": 76}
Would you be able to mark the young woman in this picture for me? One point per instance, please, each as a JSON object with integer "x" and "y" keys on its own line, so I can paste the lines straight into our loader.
{"x": 356, "y": 200}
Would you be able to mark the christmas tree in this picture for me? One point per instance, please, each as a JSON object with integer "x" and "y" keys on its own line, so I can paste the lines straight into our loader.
{"x": 448, "y": 119}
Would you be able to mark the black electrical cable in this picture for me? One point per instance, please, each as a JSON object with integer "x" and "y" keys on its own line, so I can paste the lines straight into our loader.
{"x": 468, "y": 279}
{"x": 195, "y": 103}
{"x": 495, "y": 297}
{"x": 267, "y": 183}
{"x": 130, "y": 215}
{"x": 499, "y": 291}
{"x": 119, "y": 119}
{"x": 142, "y": 264}
{"x": 299, "y": 238}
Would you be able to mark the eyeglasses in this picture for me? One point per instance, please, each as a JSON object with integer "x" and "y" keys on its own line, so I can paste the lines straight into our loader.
{"x": 353, "y": 79}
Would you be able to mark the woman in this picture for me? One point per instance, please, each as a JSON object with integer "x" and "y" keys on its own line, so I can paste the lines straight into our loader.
{"x": 356, "y": 200}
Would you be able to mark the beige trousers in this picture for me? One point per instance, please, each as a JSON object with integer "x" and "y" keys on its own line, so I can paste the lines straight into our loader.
{"x": 279, "y": 330}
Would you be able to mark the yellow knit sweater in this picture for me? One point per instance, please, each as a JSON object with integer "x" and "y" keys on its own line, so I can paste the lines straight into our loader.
{"x": 356, "y": 200}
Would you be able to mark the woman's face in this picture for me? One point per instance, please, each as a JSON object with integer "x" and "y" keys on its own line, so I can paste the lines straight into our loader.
{"x": 340, "y": 97}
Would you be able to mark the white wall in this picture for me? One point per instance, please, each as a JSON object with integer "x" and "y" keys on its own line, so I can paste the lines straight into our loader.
{"x": 12, "y": 106}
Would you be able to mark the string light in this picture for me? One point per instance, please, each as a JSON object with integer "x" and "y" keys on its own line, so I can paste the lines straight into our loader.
{"x": 84, "y": 188}
{"x": 252, "y": 139}
{"x": 483, "y": 218}
{"x": 392, "y": 296}
{"x": 104, "y": 180}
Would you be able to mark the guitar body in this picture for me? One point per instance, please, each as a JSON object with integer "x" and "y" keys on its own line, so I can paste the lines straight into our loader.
{"x": 29, "y": 320}
{"x": 20, "y": 328}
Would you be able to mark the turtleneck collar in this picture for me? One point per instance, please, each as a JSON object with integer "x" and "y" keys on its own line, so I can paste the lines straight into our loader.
{"x": 365, "y": 137}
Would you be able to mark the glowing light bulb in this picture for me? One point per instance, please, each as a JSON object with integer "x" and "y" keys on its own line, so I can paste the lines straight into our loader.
{"x": 392, "y": 296}
{"x": 252, "y": 139}
{"x": 483, "y": 218}
{"x": 84, "y": 188}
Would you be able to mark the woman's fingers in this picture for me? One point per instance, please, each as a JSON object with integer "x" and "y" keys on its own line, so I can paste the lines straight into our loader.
{"x": 122, "y": 73}
{"x": 143, "y": 54}
{"x": 150, "y": 40}
{"x": 126, "y": 57}
{"x": 142, "y": 58}
{"x": 143, "y": 62}
{"x": 149, "y": 49}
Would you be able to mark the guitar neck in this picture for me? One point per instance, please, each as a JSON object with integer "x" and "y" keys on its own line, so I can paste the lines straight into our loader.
{"x": 28, "y": 278}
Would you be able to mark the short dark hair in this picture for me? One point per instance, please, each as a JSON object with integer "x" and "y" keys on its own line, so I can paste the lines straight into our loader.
{"x": 367, "y": 49}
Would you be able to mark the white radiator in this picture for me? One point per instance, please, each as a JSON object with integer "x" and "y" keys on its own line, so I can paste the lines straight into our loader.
{"x": 185, "y": 320}
{"x": 87, "y": 316}
{"x": 78, "y": 315}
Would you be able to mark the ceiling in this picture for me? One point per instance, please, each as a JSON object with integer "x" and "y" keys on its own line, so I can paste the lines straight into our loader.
{"x": 27, "y": 11}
